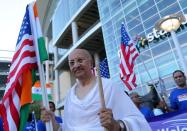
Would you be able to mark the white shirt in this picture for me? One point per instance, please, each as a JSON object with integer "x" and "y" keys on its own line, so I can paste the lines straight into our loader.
{"x": 157, "y": 111}
{"x": 82, "y": 115}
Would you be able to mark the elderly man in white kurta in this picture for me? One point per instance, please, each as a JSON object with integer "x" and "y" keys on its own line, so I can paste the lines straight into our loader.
{"x": 82, "y": 108}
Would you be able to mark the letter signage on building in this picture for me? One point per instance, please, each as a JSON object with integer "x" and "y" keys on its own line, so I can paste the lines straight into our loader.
{"x": 162, "y": 34}
{"x": 155, "y": 36}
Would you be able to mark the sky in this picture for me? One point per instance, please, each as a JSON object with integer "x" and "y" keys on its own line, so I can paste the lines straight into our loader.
{"x": 11, "y": 16}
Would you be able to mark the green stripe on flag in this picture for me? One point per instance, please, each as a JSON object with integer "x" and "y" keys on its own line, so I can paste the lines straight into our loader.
{"x": 42, "y": 49}
{"x": 34, "y": 79}
{"x": 38, "y": 97}
{"x": 24, "y": 112}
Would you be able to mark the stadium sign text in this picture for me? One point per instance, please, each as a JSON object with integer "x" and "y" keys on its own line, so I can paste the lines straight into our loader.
{"x": 156, "y": 35}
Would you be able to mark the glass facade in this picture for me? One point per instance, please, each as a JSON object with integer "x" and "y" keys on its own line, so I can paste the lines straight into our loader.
{"x": 159, "y": 59}
{"x": 63, "y": 13}
{"x": 139, "y": 16}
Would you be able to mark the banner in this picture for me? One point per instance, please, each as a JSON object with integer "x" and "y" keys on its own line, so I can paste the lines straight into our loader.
{"x": 174, "y": 121}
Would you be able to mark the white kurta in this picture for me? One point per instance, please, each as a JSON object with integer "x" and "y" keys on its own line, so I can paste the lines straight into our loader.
{"x": 82, "y": 115}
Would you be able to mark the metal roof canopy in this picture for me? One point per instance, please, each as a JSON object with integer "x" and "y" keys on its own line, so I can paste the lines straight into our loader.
{"x": 85, "y": 19}
{"x": 89, "y": 32}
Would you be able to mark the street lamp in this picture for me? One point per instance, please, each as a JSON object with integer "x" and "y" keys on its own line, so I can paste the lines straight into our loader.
{"x": 170, "y": 24}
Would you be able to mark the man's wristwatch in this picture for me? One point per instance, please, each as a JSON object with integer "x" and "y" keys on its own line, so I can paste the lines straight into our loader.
{"x": 122, "y": 125}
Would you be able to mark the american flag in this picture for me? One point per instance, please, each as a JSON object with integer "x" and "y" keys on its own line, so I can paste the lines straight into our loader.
{"x": 23, "y": 60}
{"x": 104, "y": 70}
{"x": 128, "y": 55}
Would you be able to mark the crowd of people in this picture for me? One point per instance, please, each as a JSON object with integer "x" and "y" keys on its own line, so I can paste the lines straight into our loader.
{"x": 177, "y": 98}
{"x": 123, "y": 112}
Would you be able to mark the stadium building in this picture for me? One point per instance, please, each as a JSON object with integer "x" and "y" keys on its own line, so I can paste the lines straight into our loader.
{"x": 5, "y": 62}
{"x": 95, "y": 25}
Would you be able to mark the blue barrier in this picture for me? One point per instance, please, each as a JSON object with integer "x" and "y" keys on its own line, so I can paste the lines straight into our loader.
{"x": 173, "y": 121}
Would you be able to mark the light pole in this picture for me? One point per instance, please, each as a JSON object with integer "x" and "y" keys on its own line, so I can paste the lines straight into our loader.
{"x": 170, "y": 24}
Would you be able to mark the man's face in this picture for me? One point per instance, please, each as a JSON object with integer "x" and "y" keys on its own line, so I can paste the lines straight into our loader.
{"x": 180, "y": 79}
{"x": 80, "y": 63}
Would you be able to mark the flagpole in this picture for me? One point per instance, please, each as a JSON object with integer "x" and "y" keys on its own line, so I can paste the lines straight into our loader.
{"x": 150, "y": 77}
{"x": 98, "y": 75}
{"x": 160, "y": 97}
{"x": 40, "y": 66}
{"x": 35, "y": 122}
{"x": 47, "y": 62}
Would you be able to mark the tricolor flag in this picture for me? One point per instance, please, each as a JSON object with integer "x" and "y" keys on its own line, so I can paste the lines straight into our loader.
{"x": 14, "y": 107}
{"x": 37, "y": 91}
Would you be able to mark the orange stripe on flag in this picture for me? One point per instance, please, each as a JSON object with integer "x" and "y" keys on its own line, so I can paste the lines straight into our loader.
{"x": 35, "y": 10}
{"x": 37, "y": 84}
{"x": 26, "y": 94}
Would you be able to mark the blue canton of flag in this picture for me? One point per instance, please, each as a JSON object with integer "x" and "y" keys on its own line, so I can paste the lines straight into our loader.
{"x": 104, "y": 71}
{"x": 125, "y": 39}
{"x": 25, "y": 27}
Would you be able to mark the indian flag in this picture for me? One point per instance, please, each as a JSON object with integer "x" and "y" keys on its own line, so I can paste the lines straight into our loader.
{"x": 37, "y": 91}
{"x": 41, "y": 41}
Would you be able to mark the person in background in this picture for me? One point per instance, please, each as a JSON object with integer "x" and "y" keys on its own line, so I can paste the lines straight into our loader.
{"x": 146, "y": 111}
{"x": 53, "y": 109}
{"x": 33, "y": 117}
{"x": 82, "y": 107}
{"x": 178, "y": 97}
{"x": 160, "y": 108}
{"x": 58, "y": 119}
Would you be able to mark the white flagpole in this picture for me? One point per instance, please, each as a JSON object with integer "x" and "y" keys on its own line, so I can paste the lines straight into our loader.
{"x": 40, "y": 66}
{"x": 150, "y": 77}
{"x": 148, "y": 72}
{"x": 47, "y": 62}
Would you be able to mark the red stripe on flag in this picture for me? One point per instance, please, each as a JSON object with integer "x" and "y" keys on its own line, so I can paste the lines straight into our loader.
{"x": 122, "y": 69}
{"x": 128, "y": 56}
{"x": 4, "y": 116}
{"x": 25, "y": 42}
{"x": 127, "y": 84}
{"x": 26, "y": 66}
{"x": 13, "y": 110}
{"x": 24, "y": 55}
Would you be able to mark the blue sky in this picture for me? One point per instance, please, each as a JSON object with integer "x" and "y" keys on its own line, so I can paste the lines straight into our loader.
{"x": 11, "y": 15}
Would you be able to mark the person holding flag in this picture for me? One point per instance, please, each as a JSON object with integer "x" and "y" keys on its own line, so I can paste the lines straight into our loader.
{"x": 82, "y": 108}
